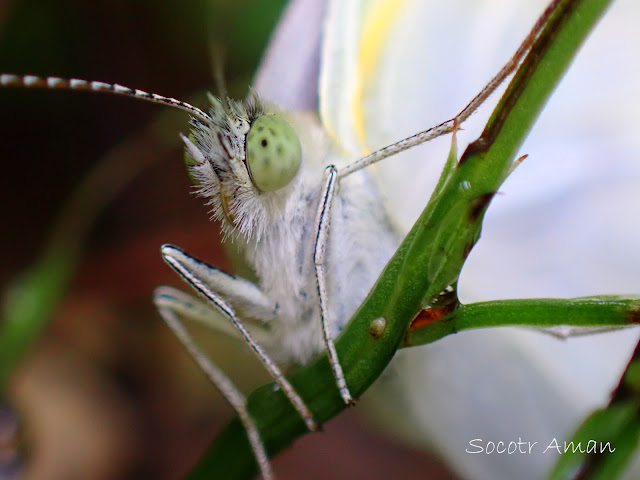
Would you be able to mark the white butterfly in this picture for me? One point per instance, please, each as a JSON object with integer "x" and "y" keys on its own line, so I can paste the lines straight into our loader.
{"x": 254, "y": 224}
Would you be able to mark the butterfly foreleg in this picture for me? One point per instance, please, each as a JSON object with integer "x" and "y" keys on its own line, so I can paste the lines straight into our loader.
{"x": 226, "y": 387}
{"x": 195, "y": 310}
{"x": 207, "y": 281}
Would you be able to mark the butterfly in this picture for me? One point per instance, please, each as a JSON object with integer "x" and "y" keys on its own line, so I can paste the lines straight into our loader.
{"x": 340, "y": 128}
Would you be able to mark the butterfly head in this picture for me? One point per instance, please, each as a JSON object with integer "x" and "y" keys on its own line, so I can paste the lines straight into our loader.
{"x": 243, "y": 161}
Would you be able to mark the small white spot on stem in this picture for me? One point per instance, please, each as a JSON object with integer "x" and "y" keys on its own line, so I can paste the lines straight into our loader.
{"x": 377, "y": 326}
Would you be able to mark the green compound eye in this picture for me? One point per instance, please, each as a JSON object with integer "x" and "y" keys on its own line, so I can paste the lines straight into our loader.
{"x": 273, "y": 153}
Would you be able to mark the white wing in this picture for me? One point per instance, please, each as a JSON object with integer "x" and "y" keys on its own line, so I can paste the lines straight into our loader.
{"x": 288, "y": 74}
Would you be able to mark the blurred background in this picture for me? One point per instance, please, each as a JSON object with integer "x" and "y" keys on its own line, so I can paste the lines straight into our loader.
{"x": 108, "y": 392}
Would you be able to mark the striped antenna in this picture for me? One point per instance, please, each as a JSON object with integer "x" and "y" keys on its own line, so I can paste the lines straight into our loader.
{"x": 32, "y": 81}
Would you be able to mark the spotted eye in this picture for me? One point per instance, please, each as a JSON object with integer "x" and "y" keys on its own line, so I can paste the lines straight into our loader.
{"x": 273, "y": 153}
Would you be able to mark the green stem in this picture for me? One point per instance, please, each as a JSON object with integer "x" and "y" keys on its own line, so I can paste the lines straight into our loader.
{"x": 601, "y": 311}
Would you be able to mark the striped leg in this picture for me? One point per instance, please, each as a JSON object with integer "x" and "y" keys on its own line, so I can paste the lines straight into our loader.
{"x": 224, "y": 385}
{"x": 323, "y": 221}
{"x": 204, "y": 279}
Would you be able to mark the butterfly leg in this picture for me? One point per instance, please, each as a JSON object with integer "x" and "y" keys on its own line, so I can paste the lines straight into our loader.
{"x": 195, "y": 310}
{"x": 323, "y": 222}
{"x": 451, "y": 125}
{"x": 228, "y": 390}
{"x": 207, "y": 280}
